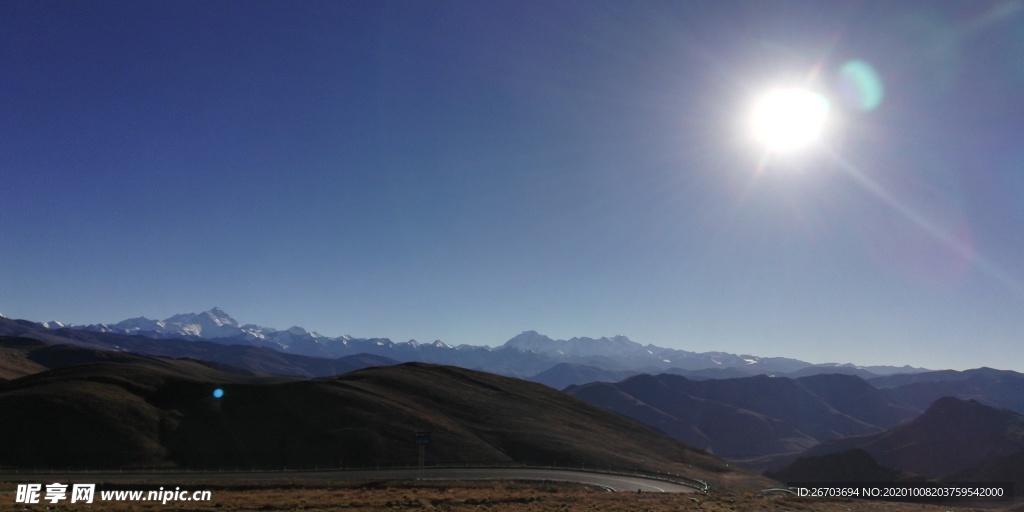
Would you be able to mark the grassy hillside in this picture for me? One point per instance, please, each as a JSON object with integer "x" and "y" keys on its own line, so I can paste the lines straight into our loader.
{"x": 750, "y": 417}
{"x": 952, "y": 435}
{"x": 155, "y": 412}
{"x": 14, "y": 361}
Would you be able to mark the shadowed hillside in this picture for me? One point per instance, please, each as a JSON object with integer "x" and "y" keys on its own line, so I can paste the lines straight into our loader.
{"x": 754, "y": 416}
{"x": 952, "y": 435}
{"x": 14, "y": 361}
{"x": 1001, "y": 469}
{"x": 563, "y": 375}
{"x": 76, "y": 347}
{"x": 163, "y": 413}
{"x": 850, "y": 466}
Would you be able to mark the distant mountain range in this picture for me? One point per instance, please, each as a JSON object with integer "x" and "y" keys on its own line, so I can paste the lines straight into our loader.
{"x": 997, "y": 388}
{"x": 765, "y": 422}
{"x": 21, "y": 356}
{"x": 525, "y": 355}
{"x": 783, "y": 415}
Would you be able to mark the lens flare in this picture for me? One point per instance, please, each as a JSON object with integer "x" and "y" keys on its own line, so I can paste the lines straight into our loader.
{"x": 957, "y": 240}
{"x": 860, "y": 86}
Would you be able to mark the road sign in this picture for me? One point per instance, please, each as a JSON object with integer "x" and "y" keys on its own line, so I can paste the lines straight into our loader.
{"x": 423, "y": 438}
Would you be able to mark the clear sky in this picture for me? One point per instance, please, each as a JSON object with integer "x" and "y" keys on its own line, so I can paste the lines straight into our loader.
{"x": 465, "y": 171}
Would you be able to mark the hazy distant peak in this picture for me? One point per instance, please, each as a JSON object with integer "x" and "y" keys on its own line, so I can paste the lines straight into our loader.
{"x": 139, "y": 324}
{"x": 529, "y": 340}
{"x": 296, "y": 331}
{"x": 531, "y": 334}
{"x": 618, "y": 338}
{"x": 136, "y": 319}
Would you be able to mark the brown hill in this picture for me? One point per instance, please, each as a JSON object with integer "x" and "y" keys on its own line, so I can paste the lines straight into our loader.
{"x": 754, "y": 416}
{"x": 850, "y": 466}
{"x": 952, "y": 435}
{"x": 100, "y": 415}
{"x": 163, "y": 413}
{"x": 1002, "y": 469}
{"x": 856, "y": 398}
{"x": 77, "y": 347}
{"x": 14, "y": 361}
{"x": 707, "y": 424}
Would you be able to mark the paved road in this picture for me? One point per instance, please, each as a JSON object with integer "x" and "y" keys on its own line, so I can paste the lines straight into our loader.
{"x": 613, "y": 482}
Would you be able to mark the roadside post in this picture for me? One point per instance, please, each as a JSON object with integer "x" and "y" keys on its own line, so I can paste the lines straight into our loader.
{"x": 422, "y": 440}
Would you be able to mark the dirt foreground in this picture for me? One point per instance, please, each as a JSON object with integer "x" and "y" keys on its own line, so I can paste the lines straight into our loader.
{"x": 469, "y": 496}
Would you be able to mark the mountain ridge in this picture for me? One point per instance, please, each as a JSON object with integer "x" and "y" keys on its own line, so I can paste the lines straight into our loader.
{"x": 617, "y": 353}
{"x": 951, "y": 435}
{"x": 750, "y": 417}
{"x": 954, "y": 440}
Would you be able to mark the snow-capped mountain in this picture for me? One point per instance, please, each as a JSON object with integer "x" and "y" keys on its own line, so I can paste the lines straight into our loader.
{"x": 575, "y": 347}
{"x": 216, "y": 325}
{"x": 619, "y": 352}
{"x": 526, "y": 354}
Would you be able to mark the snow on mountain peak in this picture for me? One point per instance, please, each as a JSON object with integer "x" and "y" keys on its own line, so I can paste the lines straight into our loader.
{"x": 140, "y": 324}
{"x": 214, "y": 316}
{"x": 219, "y": 317}
{"x": 615, "y": 346}
{"x": 618, "y": 350}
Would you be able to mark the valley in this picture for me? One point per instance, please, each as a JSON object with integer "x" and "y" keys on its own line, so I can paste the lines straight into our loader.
{"x": 91, "y": 401}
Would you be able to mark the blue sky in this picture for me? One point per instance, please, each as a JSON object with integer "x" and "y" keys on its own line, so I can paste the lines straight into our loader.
{"x": 465, "y": 171}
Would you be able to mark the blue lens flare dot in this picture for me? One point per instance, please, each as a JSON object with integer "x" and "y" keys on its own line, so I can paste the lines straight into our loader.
{"x": 217, "y": 393}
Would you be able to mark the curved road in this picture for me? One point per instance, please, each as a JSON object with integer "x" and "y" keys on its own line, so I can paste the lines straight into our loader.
{"x": 608, "y": 481}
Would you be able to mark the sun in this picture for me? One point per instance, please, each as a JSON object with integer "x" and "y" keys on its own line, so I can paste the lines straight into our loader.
{"x": 788, "y": 120}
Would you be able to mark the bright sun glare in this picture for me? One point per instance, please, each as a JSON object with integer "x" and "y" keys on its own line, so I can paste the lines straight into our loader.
{"x": 789, "y": 120}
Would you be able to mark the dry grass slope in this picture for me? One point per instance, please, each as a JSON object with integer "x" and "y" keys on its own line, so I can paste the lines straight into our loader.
{"x": 485, "y": 496}
{"x": 152, "y": 412}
